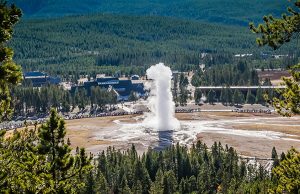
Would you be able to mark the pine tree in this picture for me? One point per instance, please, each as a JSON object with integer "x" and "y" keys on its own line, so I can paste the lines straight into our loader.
{"x": 142, "y": 175}
{"x": 236, "y": 97}
{"x": 274, "y": 156}
{"x": 226, "y": 95}
{"x": 275, "y": 32}
{"x": 183, "y": 80}
{"x": 10, "y": 73}
{"x": 211, "y": 96}
{"x": 184, "y": 186}
{"x": 197, "y": 96}
{"x": 175, "y": 87}
{"x": 282, "y": 156}
{"x": 102, "y": 186}
{"x": 157, "y": 186}
{"x": 183, "y": 96}
{"x": 192, "y": 184}
{"x": 259, "y": 96}
{"x": 204, "y": 179}
{"x": 19, "y": 164}
{"x": 250, "y": 98}
{"x": 241, "y": 97}
{"x": 169, "y": 182}
{"x": 287, "y": 174}
{"x": 137, "y": 187}
{"x": 124, "y": 188}
{"x": 223, "y": 96}
{"x": 63, "y": 171}
{"x": 90, "y": 184}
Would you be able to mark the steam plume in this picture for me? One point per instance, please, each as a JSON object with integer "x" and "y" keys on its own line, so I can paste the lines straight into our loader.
{"x": 161, "y": 101}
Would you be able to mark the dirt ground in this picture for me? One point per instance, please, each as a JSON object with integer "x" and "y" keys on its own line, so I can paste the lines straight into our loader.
{"x": 252, "y": 146}
{"x": 83, "y": 132}
{"x": 275, "y": 76}
{"x": 249, "y": 146}
{"x": 80, "y": 131}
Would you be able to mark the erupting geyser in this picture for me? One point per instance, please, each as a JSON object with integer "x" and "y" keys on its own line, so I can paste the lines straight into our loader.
{"x": 161, "y": 100}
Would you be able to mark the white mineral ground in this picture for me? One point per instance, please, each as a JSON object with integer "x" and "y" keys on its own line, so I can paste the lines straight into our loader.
{"x": 251, "y": 136}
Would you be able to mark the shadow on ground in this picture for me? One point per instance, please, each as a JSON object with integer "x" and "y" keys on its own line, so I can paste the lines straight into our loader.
{"x": 165, "y": 139}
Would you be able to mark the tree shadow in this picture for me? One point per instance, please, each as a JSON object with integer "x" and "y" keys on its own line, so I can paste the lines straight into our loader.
{"x": 165, "y": 140}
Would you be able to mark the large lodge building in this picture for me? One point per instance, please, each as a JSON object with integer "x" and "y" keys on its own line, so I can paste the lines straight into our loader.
{"x": 38, "y": 79}
{"x": 122, "y": 87}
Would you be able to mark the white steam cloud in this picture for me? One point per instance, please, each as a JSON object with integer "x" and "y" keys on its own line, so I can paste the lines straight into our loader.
{"x": 160, "y": 100}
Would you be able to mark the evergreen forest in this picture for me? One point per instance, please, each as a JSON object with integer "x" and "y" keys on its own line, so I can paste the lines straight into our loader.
{"x": 40, "y": 160}
{"x": 125, "y": 39}
{"x": 112, "y": 44}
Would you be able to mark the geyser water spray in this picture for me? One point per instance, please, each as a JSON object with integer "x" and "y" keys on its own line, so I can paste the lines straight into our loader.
{"x": 161, "y": 100}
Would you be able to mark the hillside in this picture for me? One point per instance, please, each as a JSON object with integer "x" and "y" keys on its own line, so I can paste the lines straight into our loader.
{"x": 88, "y": 43}
{"x": 227, "y": 12}
{"x": 121, "y": 40}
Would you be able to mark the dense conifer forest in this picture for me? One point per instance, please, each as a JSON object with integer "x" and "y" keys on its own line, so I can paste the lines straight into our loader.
{"x": 32, "y": 101}
{"x": 108, "y": 43}
{"x": 177, "y": 169}
{"x": 213, "y": 11}
{"x": 34, "y": 161}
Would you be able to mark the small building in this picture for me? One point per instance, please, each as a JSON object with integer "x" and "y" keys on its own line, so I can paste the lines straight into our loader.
{"x": 38, "y": 79}
{"x": 135, "y": 77}
{"x": 107, "y": 81}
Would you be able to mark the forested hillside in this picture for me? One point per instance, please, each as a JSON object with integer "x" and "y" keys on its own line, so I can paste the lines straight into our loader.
{"x": 229, "y": 11}
{"x": 101, "y": 43}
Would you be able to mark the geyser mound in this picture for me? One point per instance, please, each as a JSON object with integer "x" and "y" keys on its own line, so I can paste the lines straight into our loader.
{"x": 160, "y": 100}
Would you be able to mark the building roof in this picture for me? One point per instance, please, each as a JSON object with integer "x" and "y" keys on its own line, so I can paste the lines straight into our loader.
{"x": 123, "y": 87}
{"x": 107, "y": 80}
{"x": 139, "y": 88}
{"x": 33, "y": 74}
{"x": 39, "y": 78}
{"x": 135, "y": 77}
{"x": 90, "y": 84}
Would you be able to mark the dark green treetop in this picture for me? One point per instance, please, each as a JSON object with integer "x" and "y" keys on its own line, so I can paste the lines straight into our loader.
{"x": 274, "y": 33}
{"x": 64, "y": 168}
{"x": 10, "y": 72}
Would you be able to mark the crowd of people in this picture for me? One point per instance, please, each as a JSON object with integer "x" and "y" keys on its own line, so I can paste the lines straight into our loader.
{"x": 19, "y": 123}
{"x": 265, "y": 111}
{"x": 104, "y": 114}
{"x": 190, "y": 110}
{"x": 11, "y": 125}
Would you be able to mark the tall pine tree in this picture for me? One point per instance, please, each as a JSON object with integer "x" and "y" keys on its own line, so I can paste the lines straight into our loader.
{"x": 63, "y": 171}
{"x": 10, "y": 72}
{"x": 275, "y": 32}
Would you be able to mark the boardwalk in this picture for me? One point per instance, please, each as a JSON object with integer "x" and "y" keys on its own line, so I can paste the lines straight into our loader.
{"x": 255, "y": 158}
{"x": 240, "y": 87}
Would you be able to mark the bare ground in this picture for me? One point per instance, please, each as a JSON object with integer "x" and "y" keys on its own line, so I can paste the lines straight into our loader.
{"x": 83, "y": 132}
{"x": 275, "y": 76}
{"x": 249, "y": 146}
